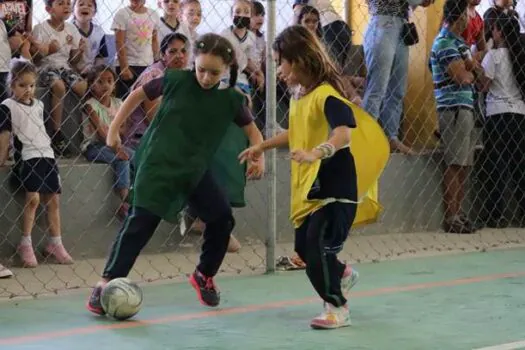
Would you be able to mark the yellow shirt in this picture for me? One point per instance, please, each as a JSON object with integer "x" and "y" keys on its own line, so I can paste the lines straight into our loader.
{"x": 309, "y": 127}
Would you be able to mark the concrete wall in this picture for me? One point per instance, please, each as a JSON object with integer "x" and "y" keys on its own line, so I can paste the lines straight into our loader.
{"x": 410, "y": 190}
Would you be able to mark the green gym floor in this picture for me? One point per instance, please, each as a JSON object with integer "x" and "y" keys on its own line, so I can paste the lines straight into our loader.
{"x": 467, "y": 301}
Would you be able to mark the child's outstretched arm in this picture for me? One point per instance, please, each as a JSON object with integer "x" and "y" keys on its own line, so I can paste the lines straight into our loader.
{"x": 256, "y": 166}
{"x": 254, "y": 152}
{"x": 128, "y": 106}
{"x": 340, "y": 118}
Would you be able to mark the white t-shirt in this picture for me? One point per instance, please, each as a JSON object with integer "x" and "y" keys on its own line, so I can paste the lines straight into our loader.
{"x": 244, "y": 49}
{"x": 520, "y": 9}
{"x": 68, "y": 40}
{"x": 139, "y": 28}
{"x": 95, "y": 44}
{"x": 260, "y": 48}
{"x": 5, "y": 50}
{"x": 27, "y": 123}
{"x": 326, "y": 10}
{"x": 504, "y": 95}
{"x": 165, "y": 29}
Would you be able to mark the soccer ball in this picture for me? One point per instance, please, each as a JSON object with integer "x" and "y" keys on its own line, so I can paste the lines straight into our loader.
{"x": 121, "y": 298}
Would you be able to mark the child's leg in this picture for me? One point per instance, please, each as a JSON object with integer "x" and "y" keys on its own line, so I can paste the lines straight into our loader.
{"x": 326, "y": 232}
{"x": 79, "y": 87}
{"x": 58, "y": 91}
{"x": 25, "y": 249}
{"x": 212, "y": 206}
{"x": 121, "y": 168}
{"x": 55, "y": 247}
{"x": 135, "y": 233}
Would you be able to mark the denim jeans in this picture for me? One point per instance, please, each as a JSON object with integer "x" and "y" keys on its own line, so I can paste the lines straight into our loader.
{"x": 386, "y": 58}
{"x": 100, "y": 153}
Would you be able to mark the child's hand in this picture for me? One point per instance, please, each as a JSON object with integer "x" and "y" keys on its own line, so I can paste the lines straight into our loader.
{"x": 255, "y": 169}
{"x": 252, "y": 154}
{"x": 258, "y": 78}
{"x": 357, "y": 100}
{"x": 113, "y": 141}
{"x": 82, "y": 45}
{"x": 122, "y": 155}
{"x": 126, "y": 74}
{"x": 302, "y": 156}
{"x": 54, "y": 46}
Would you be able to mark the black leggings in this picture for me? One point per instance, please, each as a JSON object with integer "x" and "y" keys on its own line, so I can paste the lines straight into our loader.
{"x": 318, "y": 241}
{"x": 211, "y": 205}
{"x": 504, "y": 161}
{"x": 338, "y": 39}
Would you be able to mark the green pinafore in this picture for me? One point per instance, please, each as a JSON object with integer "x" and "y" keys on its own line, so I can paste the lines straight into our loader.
{"x": 181, "y": 142}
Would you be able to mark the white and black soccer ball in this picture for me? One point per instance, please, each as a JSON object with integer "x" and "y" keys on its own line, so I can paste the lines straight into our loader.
{"x": 121, "y": 298}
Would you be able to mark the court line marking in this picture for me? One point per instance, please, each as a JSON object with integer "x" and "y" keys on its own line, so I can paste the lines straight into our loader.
{"x": 508, "y": 346}
{"x": 248, "y": 309}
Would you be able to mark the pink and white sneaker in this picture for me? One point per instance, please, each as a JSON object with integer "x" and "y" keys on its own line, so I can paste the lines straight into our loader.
{"x": 59, "y": 253}
{"x": 27, "y": 255}
{"x": 332, "y": 318}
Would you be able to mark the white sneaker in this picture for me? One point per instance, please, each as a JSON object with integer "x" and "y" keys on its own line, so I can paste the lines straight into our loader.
{"x": 349, "y": 279}
{"x": 332, "y": 318}
{"x": 5, "y": 272}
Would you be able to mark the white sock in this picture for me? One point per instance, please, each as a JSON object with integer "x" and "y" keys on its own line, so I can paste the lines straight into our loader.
{"x": 55, "y": 240}
{"x": 26, "y": 240}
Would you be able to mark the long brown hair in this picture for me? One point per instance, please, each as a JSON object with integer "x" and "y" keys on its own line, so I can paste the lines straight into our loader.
{"x": 307, "y": 54}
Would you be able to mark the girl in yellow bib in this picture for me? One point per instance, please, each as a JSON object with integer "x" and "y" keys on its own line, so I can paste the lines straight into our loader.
{"x": 324, "y": 191}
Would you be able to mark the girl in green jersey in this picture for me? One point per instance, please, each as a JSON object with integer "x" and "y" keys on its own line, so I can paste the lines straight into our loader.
{"x": 173, "y": 159}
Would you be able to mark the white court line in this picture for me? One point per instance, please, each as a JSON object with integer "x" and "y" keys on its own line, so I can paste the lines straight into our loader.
{"x": 509, "y": 346}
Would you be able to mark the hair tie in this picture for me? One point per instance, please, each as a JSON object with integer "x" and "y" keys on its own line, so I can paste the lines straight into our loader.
{"x": 201, "y": 45}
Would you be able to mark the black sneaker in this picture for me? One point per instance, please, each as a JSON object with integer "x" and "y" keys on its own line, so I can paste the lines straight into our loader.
{"x": 93, "y": 305}
{"x": 207, "y": 291}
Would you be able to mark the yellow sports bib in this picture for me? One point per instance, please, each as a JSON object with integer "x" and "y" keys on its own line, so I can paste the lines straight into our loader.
{"x": 369, "y": 146}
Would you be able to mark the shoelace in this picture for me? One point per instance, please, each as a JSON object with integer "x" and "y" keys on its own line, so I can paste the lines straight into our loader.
{"x": 209, "y": 283}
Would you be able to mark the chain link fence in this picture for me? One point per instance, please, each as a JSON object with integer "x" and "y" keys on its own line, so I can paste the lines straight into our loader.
{"x": 410, "y": 189}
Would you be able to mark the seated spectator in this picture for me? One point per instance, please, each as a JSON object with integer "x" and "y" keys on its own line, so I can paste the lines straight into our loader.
{"x": 174, "y": 53}
{"x": 453, "y": 89}
{"x": 99, "y": 111}
{"x": 504, "y": 128}
{"x": 96, "y": 51}
{"x": 56, "y": 69}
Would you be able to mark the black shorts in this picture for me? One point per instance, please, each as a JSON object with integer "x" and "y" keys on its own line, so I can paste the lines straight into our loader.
{"x": 40, "y": 175}
{"x": 328, "y": 228}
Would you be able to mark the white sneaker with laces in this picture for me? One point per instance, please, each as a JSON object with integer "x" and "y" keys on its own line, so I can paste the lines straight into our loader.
{"x": 332, "y": 318}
